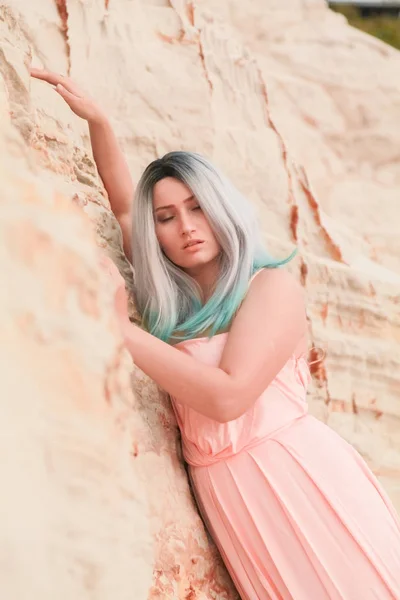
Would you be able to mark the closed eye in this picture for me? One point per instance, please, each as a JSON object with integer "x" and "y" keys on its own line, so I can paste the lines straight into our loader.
{"x": 165, "y": 219}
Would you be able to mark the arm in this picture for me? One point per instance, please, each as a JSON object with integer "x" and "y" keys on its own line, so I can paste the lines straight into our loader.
{"x": 115, "y": 175}
{"x": 271, "y": 318}
{"x": 110, "y": 161}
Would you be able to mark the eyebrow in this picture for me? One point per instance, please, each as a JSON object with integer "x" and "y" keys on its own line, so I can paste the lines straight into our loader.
{"x": 172, "y": 205}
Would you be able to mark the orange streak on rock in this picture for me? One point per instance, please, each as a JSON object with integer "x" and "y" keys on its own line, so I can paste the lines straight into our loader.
{"x": 324, "y": 312}
{"x": 190, "y": 12}
{"x": 303, "y": 273}
{"x": 63, "y": 12}
{"x": 294, "y": 220}
{"x": 354, "y": 406}
{"x": 317, "y": 365}
{"x": 333, "y": 248}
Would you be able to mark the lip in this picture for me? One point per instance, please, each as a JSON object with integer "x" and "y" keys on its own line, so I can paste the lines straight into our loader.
{"x": 194, "y": 244}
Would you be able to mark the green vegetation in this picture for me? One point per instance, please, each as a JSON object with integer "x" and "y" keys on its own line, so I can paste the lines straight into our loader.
{"x": 384, "y": 27}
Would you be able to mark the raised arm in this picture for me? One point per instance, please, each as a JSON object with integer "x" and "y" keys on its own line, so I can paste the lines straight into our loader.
{"x": 115, "y": 175}
{"x": 110, "y": 161}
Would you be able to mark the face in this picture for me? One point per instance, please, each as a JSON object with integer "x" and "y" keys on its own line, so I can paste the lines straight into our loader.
{"x": 182, "y": 229}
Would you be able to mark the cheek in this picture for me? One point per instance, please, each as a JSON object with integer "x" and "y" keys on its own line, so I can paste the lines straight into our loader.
{"x": 211, "y": 234}
{"x": 160, "y": 233}
{"x": 164, "y": 238}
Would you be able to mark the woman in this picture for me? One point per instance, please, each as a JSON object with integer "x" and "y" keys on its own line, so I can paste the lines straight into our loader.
{"x": 294, "y": 510}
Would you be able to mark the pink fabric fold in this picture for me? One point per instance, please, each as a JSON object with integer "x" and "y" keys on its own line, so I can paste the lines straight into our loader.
{"x": 295, "y": 511}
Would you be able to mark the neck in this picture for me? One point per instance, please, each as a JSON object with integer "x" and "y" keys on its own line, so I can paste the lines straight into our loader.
{"x": 206, "y": 276}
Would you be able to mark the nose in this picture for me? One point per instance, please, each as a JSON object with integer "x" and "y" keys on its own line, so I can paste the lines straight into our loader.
{"x": 187, "y": 226}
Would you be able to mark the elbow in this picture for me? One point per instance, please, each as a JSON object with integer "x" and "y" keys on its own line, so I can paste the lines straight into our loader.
{"x": 218, "y": 411}
{"x": 231, "y": 414}
{"x": 230, "y": 408}
{"x": 226, "y": 417}
{"x": 222, "y": 417}
{"x": 230, "y": 401}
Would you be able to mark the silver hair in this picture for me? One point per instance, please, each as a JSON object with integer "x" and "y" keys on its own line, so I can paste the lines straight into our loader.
{"x": 166, "y": 297}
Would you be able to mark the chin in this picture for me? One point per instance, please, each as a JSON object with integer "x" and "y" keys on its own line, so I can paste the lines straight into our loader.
{"x": 196, "y": 263}
{"x": 193, "y": 263}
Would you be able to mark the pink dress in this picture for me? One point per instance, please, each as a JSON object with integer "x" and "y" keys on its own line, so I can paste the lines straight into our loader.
{"x": 293, "y": 508}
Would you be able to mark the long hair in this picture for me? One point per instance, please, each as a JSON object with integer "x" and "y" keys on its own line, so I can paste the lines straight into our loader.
{"x": 168, "y": 299}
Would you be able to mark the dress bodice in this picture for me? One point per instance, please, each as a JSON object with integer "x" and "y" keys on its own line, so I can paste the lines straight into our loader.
{"x": 206, "y": 441}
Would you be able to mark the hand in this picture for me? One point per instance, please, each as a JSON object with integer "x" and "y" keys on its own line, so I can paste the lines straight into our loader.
{"x": 79, "y": 102}
{"x": 120, "y": 295}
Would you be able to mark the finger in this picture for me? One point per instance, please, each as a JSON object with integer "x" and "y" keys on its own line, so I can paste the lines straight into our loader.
{"x": 56, "y": 79}
{"x": 69, "y": 98}
{"x": 53, "y": 78}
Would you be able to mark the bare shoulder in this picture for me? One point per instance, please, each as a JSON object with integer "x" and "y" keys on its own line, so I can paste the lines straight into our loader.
{"x": 268, "y": 329}
{"x": 276, "y": 283}
{"x": 274, "y": 296}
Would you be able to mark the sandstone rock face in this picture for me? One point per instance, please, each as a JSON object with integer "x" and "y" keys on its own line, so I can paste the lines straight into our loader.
{"x": 303, "y": 113}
